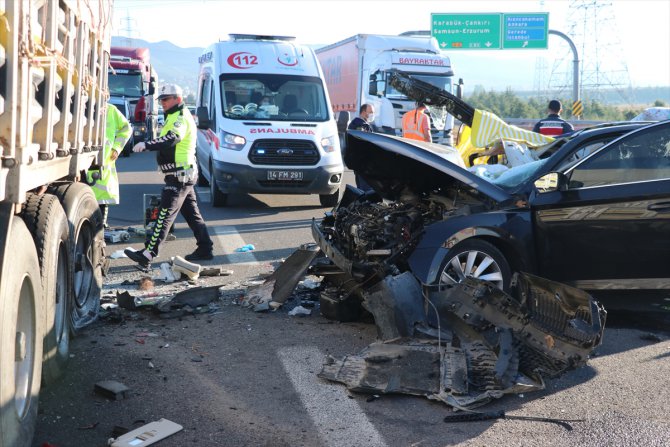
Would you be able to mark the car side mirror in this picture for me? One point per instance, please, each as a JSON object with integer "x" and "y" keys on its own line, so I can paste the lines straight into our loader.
{"x": 553, "y": 181}
{"x": 377, "y": 84}
{"x": 152, "y": 87}
{"x": 203, "y": 117}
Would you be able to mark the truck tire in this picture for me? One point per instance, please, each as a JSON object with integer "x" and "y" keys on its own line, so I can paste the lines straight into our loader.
{"x": 22, "y": 317}
{"x": 86, "y": 251}
{"x": 218, "y": 198}
{"x": 46, "y": 220}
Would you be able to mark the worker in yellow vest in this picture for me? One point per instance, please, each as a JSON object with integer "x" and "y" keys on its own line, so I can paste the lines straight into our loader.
{"x": 416, "y": 124}
{"x": 103, "y": 178}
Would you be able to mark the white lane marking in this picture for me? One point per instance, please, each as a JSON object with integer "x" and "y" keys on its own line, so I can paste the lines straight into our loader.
{"x": 230, "y": 240}
{"x": 339, "y": 420}
{"x": 228, "y": 237}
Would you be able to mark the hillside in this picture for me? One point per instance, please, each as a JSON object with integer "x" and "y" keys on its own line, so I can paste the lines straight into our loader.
{"x": 180, "y": 65}
{"x": 172, "y": 63}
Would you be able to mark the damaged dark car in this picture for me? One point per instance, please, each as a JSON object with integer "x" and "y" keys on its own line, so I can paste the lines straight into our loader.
{"x": 593, "y": 214}
{"x": 466, "y": 278}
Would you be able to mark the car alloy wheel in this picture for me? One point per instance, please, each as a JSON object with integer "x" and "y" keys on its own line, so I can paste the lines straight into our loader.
{"x": 476, "y": 259}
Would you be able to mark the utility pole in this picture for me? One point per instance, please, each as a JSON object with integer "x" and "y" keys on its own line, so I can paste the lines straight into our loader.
{"x": 129, "y": 29}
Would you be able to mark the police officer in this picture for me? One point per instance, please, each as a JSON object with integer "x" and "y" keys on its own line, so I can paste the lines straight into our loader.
{"x": 553, "y": 125}
{"x": 416, "y": 124}
{"x": 175, "y": 149}
{"x": 104, "y": 180}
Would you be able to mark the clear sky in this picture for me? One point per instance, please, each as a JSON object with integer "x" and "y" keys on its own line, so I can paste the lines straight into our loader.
{"x": 641, "y": 26}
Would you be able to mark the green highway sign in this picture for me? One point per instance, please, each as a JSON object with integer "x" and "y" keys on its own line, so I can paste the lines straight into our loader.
{"x": 525, "y": 31}
{"x": 490, "y": 31}
{"x": 466, "y": 31}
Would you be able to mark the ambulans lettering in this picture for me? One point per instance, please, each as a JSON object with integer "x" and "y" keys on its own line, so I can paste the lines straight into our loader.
{"x": 296, "y": 131}
{"x": 242, "y": 60}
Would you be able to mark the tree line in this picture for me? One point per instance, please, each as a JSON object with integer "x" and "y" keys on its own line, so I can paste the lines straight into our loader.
{"x": 507, "y": 104}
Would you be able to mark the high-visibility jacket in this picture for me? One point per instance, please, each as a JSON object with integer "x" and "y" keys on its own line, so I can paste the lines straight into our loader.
{"x": 413, "y": 125}
{"x": 176, "y": 143}
{"x": 117, "y": 133}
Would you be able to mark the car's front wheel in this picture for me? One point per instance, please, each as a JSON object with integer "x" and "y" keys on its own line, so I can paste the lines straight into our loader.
{"x": 476, "y": 259}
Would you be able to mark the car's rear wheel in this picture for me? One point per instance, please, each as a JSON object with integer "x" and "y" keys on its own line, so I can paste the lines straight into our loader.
{"x": 476, "y": 259}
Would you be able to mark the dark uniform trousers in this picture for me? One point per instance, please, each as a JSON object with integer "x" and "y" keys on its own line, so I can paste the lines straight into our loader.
{"x": 178, "y": 196}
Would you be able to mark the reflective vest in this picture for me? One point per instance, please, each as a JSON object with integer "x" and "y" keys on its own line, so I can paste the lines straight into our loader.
{"x": 117, "y": 133}
{"x": 413, "y": 125}
{"x": 182, "y": 124}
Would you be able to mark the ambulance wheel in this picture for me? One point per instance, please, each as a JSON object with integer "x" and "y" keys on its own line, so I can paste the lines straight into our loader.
{"x": 202, "y": 181}
{"x": 48, "y": 224}
{"x": 218, "y": 198}
{"x": 21, "y": 332}
{"x": 86, "y": 251}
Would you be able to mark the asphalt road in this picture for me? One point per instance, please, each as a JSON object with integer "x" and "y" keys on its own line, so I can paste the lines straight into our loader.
{"x": 238, "y": 378}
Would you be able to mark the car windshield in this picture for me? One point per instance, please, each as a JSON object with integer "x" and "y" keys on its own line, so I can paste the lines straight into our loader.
{"x": 272, "y": 97}
{"x": 513, "y": 177}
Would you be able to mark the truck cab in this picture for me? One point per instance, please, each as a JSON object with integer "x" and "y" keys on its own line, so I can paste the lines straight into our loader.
{"x": 132, "y": 77}
{"x": 266, "y": 122}
{"x": 357, "y": 69}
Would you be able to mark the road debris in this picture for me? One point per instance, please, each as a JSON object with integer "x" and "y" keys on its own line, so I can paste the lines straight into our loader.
{"x": 215, "y": 271}
{"x": 146, "y": 283}
{"x": 299, "y": 311}
{"x": 190, "y": 269}
{"x": 470, "y": 343}
{"x": 277, "y": 288}
{"x": 485, "y": 416}
{"x": 116, "y": 236}
{"x": 245, "y": 248}
{"x": 147, "y": 434}
{"x": 111, "y": 389}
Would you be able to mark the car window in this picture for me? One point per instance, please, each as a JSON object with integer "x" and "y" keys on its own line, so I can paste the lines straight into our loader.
{"x": 582, "y": 152}
{"x": 641, "y": 156}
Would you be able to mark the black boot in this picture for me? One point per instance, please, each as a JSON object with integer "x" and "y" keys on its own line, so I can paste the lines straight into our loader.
{"x": 200, "y": 254}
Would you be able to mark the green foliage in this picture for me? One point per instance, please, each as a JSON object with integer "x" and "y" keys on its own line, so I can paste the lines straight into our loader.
{"x": 509, "y": 105}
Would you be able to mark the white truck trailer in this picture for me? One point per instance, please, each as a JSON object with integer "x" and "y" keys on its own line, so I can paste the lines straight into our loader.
{"x": 356, "y": 70}
{"x": 54, "y": 56}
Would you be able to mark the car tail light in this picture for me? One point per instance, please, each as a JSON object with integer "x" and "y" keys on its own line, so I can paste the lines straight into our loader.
{"x": 141, "y": 110}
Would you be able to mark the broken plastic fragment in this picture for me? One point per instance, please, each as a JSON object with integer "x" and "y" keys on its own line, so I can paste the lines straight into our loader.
{"x": 299, "y": 310}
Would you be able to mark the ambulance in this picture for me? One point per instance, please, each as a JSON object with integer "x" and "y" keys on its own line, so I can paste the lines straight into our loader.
{"x": 265, "y": 121}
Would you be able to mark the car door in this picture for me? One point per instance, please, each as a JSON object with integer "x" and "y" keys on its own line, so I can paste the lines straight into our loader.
{"x": 612, "y": 222}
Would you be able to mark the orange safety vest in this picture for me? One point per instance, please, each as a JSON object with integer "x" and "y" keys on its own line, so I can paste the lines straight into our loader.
{"x": 412, "y": 125}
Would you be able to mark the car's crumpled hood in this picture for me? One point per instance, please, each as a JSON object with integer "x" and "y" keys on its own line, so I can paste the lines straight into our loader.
{"x": 389, "y": 164}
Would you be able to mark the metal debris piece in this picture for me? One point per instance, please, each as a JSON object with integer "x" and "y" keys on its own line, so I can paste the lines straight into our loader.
{"x": 281, "y": 283}
{"x": 397, "y": 305}
{"x": 485, "y": 416}
{"x": 111, "y": 389}
{"x": 125, "y": 300}
{"x": 474, "y": 342}
{"x": 215, "y": 271}
{"x": 190, "y": 301}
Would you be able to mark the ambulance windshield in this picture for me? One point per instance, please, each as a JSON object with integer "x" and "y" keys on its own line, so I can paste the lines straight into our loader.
{"x": 272, "y": 97}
